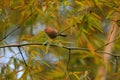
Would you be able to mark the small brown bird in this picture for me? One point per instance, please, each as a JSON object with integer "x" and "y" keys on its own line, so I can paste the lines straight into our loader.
{"x": 53, "y": 33}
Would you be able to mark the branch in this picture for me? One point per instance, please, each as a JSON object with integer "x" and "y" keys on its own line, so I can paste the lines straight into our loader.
{"x": 65, "y": 47}
{"x": 15, "y": 28}
{"x": 22, "y": 57}
{"x": 116, "y": 64}
{"x": 108, "y": 53}
{"x": 107, "y": 44}
{"x": 68, "y": 62}
{"x": 10, "y": 33}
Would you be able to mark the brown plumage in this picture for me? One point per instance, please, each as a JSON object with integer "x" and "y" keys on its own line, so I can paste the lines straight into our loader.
{"x": 53, "y": 33}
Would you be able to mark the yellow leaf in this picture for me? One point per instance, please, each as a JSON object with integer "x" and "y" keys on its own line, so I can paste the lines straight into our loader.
{"x": 38, "y": 10}
{"x": 88, "y": 2}
{"x": 80, "y": 3}
{"x": 17, "y": 7}
{"x": 92, "y": 50}
{"x": 76, "y": 76}
{"x": 96, "y": 16}
{"x": 90, "y": 46}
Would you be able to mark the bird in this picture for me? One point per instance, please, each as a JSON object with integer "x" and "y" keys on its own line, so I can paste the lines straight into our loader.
{"x": 53, "y": 33}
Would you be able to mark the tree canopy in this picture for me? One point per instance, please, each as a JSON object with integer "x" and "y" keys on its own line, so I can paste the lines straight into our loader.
{"x": 90, "y": 51}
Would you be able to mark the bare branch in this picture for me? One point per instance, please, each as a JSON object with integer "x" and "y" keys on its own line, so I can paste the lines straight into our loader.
{"x": 10, "y": 33}
{"x": 22, "y": 56}
{"x": 68, "y": 62}
{"x": 108, "y": 53}
{"x": 107, "y": 44}
{"x": 116, "y": 64}
{"x": 65, "y": 47}
{"x": 15, "y": 28}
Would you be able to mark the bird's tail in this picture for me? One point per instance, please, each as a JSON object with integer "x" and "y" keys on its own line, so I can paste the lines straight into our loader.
{"x": 63, "y": 35}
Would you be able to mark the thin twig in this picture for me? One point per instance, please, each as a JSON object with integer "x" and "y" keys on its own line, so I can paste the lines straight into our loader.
{"x": 9, "y": 33}
{"x": 68, "y": 61}
{"x": 107, "y": 44}
{"x": 108, "y": 53}
{"x": 22, "y": 56}
{"x": 116, "y": 64}
{"x": 29, "y": 69}
{"x": 15, "y": 29}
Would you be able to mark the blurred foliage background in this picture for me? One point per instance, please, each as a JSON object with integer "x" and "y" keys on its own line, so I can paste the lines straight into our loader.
{"x": 86, "y": 24}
